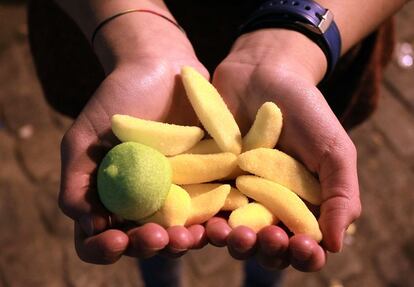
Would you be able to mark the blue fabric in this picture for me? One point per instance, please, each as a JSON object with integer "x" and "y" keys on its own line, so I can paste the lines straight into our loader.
{"x": 164, "y": 272}
{"x": 257, "y": 276}
{"x": 159, "y": 271}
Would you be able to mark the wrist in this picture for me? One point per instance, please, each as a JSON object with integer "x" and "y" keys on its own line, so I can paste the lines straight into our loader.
{"x": 139, "y": 35}
{"x": 283, "y": 49}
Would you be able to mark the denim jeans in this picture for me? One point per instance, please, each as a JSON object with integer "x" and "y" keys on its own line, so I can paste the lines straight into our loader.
{"x": 163, "y": 272}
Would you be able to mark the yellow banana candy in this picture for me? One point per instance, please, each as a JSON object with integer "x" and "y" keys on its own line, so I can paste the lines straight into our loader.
{"x": 212, "y": 111}
{"x": 281, "y": 168}
{"x": 253, "y": 215}
{"x": 266, "y": 128}
{"x": 175, "y": 211}
{"x": 283, "y": 203}
{"x": 199, "y": 168}
{"x": 166, "y": 138}
{"x": 237, "y": 171}
{"x": 234, "y": 200}
{"x": 277, "y": 185}
{"x": 206, "y": 205}
{"x": 206, "y": 146}
{"x": 209, "y": 146}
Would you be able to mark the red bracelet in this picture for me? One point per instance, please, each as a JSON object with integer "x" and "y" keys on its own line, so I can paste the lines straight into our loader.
{"x": 104, "y": 22}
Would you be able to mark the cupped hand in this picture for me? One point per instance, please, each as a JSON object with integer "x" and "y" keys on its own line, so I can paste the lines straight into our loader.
{"x": 149, "y": 88}
{"x": 277, "y": 65}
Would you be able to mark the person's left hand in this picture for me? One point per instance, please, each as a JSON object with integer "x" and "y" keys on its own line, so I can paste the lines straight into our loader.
{"x": 283, "y": 67}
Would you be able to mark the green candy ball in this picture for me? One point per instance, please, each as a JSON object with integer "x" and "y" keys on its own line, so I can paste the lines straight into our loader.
{"x": 134, "y": 180}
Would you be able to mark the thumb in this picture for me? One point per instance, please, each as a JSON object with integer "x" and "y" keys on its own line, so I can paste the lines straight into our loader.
{"x": 78, "y": 197}
{"x": 340, "y": 195}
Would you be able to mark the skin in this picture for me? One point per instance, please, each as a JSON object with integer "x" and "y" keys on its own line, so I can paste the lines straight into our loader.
{"x": 142, "y": 80}
{"x": 328, "y": 152}
{"x": 141, "y": 84}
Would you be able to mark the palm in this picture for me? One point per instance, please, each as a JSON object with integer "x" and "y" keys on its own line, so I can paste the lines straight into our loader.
{"x": 150, "y": 89}
{"x": 311, "y": 133}
{"x": 307, "y": 118}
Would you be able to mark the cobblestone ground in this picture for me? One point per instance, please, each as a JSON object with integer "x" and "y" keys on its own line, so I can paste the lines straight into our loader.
{"x": 36, "y": 246}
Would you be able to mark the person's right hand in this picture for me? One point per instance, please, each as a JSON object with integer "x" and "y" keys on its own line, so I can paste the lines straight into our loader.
{"x": 142, "y": 81}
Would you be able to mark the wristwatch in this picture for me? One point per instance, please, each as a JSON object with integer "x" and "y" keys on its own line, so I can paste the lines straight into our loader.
{"x": 304, "y": 16}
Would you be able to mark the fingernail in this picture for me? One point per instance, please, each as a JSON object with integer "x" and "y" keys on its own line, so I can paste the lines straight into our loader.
{"x": 86, "y": 223}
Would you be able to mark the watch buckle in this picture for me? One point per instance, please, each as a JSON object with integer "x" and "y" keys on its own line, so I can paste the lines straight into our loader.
{"x": 326, "y": 21}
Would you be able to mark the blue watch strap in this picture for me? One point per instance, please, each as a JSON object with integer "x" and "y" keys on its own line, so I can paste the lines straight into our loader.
{"x": 304, "y": 16}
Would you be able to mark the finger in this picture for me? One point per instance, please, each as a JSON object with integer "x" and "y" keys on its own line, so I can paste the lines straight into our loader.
{"x": 217, "y": 231}
{"x": 198, "y": 233}
{"x": 241, "y": 242}
{"x": 272, "y": 240}
{"x": 104, "y": 248}
{"x": 340, "y": 195}
{"x": 180, "y": 240}
{"x": 273, "y": 244}
{"x": 147, "y": 240}
{"x": 305, "y": 254}
{"x": 78, "y": 196}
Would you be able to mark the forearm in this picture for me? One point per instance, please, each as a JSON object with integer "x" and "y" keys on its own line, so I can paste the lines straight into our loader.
{"x": 89, "y": 13}
{"x": 356, "y": 19}
{"x": 130, "y": 36}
